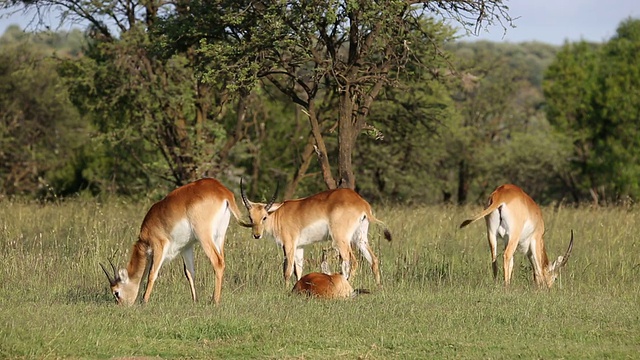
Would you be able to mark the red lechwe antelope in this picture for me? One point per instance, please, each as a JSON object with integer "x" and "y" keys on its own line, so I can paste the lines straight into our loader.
{"x": 341, "y": 213}
{"x": 325, "y": 285}
{"x": 199, "y": 211}
{"x": 514, "y": 218}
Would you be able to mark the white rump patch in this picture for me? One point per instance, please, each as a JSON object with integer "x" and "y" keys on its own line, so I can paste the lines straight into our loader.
{"x": 220, "y": 225}
{"x": 498, "y": 223}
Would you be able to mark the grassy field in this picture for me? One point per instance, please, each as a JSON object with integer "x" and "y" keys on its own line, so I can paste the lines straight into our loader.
{"x": 438, "y": 298}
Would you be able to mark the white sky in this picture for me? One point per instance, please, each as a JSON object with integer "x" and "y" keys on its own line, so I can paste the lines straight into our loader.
{"x": 554, "y": 21}
{"x": 549, "y": 21}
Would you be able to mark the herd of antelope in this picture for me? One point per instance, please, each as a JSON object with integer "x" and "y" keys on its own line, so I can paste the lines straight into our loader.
{"x": 201, "y": 211}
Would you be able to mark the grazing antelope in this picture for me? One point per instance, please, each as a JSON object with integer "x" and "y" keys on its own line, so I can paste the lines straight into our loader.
{"x": 341, "y": 213}
{"x": 199, "y": 211}
{"x": 325, "y": 285}
{"x": 516, "y": 219}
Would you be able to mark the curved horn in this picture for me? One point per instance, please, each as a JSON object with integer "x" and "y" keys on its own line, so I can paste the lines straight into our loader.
{"x": 244, "y": 196}
{"x": 112, "y": 281}
{"x": 273, "y": 198}
{"x": 115, "y": 271}
{"x": 565, "y": 258}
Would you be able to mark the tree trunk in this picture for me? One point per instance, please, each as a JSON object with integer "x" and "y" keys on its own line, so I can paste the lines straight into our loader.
{"x": 320, "y": 148}
{"x": 347, "y": 134}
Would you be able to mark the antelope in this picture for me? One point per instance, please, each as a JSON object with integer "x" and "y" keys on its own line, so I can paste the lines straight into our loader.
{"x": 514, "y": 218}
{"x": 341, "y": 213}
{"x": 325, "y": 285}
{"x": 196, "y": 212}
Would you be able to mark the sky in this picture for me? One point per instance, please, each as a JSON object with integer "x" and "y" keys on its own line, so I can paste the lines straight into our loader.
{"x": 548, "y": 21}
{"x": 557, "y": 21}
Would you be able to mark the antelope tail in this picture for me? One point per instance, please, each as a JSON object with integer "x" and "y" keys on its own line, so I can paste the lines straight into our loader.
{"x": 387, "y": 233}
{"x": 233, "y": 207}
{"x": 491, "y": 208}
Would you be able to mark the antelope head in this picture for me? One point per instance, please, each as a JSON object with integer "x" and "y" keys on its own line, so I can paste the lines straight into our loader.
{"x": 259, "y": 212}
{"x": 124, "y": 291}
{"x": 553, "y": 269}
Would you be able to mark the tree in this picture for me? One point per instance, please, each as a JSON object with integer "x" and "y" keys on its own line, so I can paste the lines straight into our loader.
{"x": 403, "y": 156}
{"x": 503, "y": 135}
{"x": 569, "y": 87}
{"x": 616, "y": 118}
{"x": 324, "y": 54}
{"x": 40, "y": 131}
{"x": 592, "y": 94}
{"x": 148, "y": 104}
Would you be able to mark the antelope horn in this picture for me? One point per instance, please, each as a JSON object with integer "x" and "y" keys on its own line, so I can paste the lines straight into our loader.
{"x": 244, "y": 196}
{"x": 565, "y": 258}
{"x": 112, "y": 281}
{"x": 116, "y": 277}
{"x": 273, "y": 198}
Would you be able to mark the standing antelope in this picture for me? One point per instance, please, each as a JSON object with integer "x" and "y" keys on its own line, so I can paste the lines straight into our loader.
{"x": 199, "y": 211}
{"x": 341, "y": 213}
{"x": 325, "y": 285}
{"x": 516, "y": 219}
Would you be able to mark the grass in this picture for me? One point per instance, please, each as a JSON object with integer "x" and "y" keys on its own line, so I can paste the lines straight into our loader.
{"x": 438, "y": 299}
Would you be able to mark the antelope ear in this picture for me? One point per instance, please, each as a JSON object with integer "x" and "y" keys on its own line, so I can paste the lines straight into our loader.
{"x": 123, "y": 275}
{"x": 274, "y": 207}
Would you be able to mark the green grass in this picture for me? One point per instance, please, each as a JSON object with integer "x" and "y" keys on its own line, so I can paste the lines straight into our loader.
{"x": 438, "y": 298}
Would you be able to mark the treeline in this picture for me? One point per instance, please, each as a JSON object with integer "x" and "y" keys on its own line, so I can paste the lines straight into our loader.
{"x": 88, "y": 112}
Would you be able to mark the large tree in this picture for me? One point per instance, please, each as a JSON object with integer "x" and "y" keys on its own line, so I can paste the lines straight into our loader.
{"x": 325, "y": 54}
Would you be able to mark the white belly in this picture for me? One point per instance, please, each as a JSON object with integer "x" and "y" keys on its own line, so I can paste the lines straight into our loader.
{"x": 315, "y": 232}
{"x": 524, "y": 243}
{"x": 181, "y": 236}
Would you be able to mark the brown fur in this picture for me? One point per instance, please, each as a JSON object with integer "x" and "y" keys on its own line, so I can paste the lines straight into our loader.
{"x": 342, "y": 209}
{"x": 324, "y": 286}
{"x": 198, "y": 203}
{"x": 522, "y": 209}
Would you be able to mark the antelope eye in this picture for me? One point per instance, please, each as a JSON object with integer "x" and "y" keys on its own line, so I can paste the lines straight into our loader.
{"x": 116, "y": 294}
{"x": 264, "y": 219}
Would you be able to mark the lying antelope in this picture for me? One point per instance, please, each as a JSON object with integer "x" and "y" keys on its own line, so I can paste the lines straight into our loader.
{"x": 341, "y": 213}
{"x": 325, "y": 285}
{"x": 516, "y": 219}
{"x": 199, "y": 211}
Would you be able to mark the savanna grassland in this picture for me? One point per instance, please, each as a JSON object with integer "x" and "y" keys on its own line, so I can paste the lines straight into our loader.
{"x": 438, "y": 298}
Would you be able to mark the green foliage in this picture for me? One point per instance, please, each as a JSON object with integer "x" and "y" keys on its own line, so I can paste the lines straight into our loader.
{"x": 593, "y": 97}
{"x": 437, "y": 299}
{"x": 503, "y": 135}
{"x": 340, "y": 58}
{"x": 617, "y": 118}
{"x": 230, "y": 89}
{"x": 404, "y": 157}
{"x": 60, "y": 43}
{"x": 40, "y": 131}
